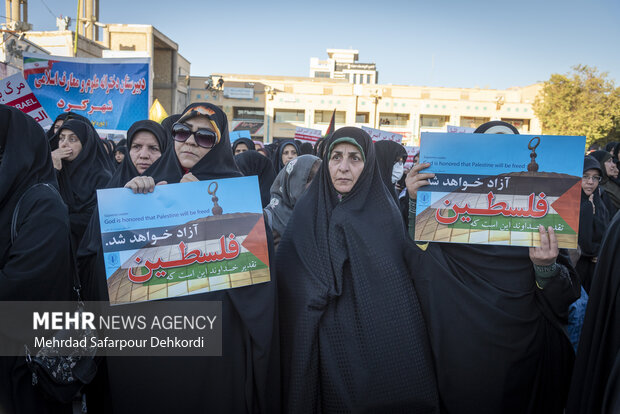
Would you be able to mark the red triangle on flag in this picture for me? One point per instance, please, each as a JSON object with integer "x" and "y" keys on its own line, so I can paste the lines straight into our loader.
{"x": 256, "y": 242}
{"x": 567, "y": 206}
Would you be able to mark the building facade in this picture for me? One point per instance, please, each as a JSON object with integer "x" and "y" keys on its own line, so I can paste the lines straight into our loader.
{"x": 271, "y": 107}
{"x": 343, "y": 64}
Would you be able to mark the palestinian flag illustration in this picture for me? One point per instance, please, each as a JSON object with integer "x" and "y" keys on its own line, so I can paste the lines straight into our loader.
{"x": 213, "y": 253}
{"x": 505, "y": 209}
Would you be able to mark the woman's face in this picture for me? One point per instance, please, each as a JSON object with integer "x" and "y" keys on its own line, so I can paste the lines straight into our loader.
{"x": 188, "y": 152}
{"x": 241, "y": 147}
{"x": 345, "y": 167}
{"x": 611, "y": 168}
{"x": 68, "y": 139}
{"x": 589, "y": 181}
{"x": 144, "y": 150}
{"x": 119, "y": 156}
{"x": 288, "y": 153}
{"x": 57, "y": 125}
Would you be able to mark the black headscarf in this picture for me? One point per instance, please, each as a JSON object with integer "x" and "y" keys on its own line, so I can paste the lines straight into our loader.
{"x": 319, "y": 146}
{"x": 53, "y": 137}
{"x": 610, "y": 184}
{"x": 252, "y": 163}
{"x": 247, "y": 141}
{"x": 306, "y": 148}
{"x": 340, "y": 305}
{"x": 246, "y": 377}
{"x": 595, "y": 387}
{"x": 50, "y": 135}
{"x": 80, "y": 179}
{"x": 498, "y": 340}
{"x": 388, "y": 152}
{"x": 217, "y": 163}
{"x": 168, "y": 122}
{"x": 127, "y": 170}
{"x": 37, "y": 265}
{"x": 593, "y": 222}
{"x": 123, "y": 150}
{"x": 610, "y": 146}
{"x": 25, "y": 160}
{"x": 592, "y": 226}
{"x": 277, "y": 160}
{"x": 602, "y": 157}
{"x": 90, "y": 253}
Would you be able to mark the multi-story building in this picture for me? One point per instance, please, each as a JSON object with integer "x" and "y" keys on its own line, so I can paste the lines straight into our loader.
{"x": 343, "y": 64}
{"x": 169, "y": 70}
{"x": 271, "y": 107}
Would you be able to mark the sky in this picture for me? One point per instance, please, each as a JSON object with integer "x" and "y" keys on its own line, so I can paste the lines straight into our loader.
{"x": 446, "y": 43}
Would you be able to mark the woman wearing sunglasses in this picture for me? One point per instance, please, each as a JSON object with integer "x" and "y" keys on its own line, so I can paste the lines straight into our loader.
{"x": 246, "y": 377}
{"x": 198, "y": 152}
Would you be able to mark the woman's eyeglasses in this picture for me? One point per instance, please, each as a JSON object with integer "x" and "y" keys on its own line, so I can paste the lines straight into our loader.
{"x": 203, "y": 137}
{"x": 593, "y": 178}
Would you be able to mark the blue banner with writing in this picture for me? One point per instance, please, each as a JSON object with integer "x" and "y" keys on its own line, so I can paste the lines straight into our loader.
{"x": 112, "y": 93}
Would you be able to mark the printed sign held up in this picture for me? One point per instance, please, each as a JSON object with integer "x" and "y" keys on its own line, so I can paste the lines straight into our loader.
{"x": 379, "y": 135}
{"x": 308, "y": 134}
{"x": 14, "y": 91}
{"x": 498, "y": 189}
{"x": 183, "y": 239}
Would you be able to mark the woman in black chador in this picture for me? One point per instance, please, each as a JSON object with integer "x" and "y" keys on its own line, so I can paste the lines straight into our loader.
{"x": 83, "y": 168}
{"x": 245, "y": 379}
{"x": 496, "y": 317}
{"x": 253, "y": 163}
{"x": 35, "y": 262}
{"x": 596, "y": 380}
{"x": 352, "y": 333}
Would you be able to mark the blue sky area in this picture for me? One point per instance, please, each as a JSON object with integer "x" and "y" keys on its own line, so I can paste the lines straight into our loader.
{"x": 236, "y": 195}
{"x": 450, "y": 43}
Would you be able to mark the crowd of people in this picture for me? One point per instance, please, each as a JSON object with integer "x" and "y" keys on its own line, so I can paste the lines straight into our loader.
{"x": 357, "y": 317}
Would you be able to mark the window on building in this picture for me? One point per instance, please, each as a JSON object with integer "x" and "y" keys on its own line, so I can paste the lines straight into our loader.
{"x": 472, "y": 121}
{"x": 386, "y": 118}
{"x": 325, "y": 117}
{"x": 321, "y": 74}
{"x": 362, "y": 117}
{"x": 247, "y": 113}
{"x": 289, "y": 115}
{"x": 523, "y": 125}
{"x": 434, "y": 121}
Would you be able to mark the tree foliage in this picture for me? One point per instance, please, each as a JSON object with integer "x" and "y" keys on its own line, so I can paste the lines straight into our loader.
{"x": 583, "y": 102}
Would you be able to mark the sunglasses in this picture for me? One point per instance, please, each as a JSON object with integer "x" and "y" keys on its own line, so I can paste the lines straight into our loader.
{"x": 203, "y": 137}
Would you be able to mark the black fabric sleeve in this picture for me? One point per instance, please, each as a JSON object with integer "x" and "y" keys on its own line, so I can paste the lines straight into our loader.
{"x": 39, "y": 260}
{"x": 563, "y": 289}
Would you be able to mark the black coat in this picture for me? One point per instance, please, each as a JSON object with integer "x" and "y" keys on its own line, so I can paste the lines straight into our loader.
{"x": 353, "y": 336}
{"x": 246, "y": 377}
{"x": 253, "y": 163}
{"x": 595, "y": 386}
{"x": 80, "y": 179}
{"x": 498, "y": 340}
{"x": 37, "y": 265}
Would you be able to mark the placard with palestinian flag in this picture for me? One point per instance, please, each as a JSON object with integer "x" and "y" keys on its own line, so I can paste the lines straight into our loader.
{"x": 498, "y": 189}
{"x": 183, "y": 239}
